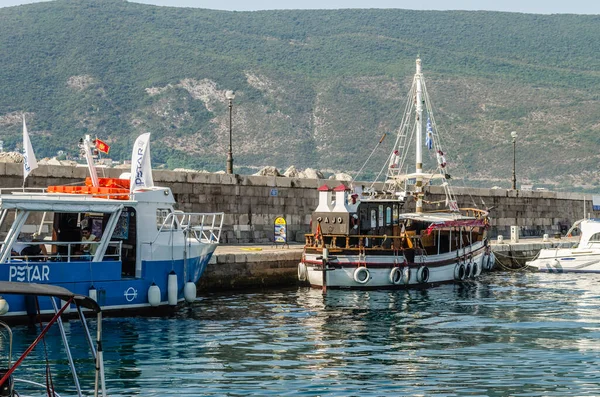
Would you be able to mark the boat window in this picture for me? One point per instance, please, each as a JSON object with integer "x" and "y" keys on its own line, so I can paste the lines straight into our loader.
{"x": 388, "y": 216}
{"x": 595, "y": 238}
{"x": 165, "y": 220}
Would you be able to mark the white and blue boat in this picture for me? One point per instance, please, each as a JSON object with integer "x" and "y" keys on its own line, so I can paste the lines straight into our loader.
{"x": 142, "y": 254}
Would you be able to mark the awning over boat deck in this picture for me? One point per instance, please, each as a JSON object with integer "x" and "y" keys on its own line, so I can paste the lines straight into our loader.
{"x": 415, "y": 175}
{"x": 436, "y": 217}
{"x": 73, "y": 203}
{"x": 32, "y": 289}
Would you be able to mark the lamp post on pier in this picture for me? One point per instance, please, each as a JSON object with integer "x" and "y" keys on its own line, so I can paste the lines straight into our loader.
{"x": 514, "y": 176}
{"x": 230, "y": 95}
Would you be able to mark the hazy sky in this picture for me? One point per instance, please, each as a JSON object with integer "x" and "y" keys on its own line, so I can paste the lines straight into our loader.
{"x": 526, "y": 6}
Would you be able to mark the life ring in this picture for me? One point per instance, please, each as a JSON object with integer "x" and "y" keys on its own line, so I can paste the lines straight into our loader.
{"x": 423, "y": 274}
{"x": 459, "y": 271}
{"x": 302, "y": 271}
{"x": 362, "y": 275}
{"x": 396, "y": 276}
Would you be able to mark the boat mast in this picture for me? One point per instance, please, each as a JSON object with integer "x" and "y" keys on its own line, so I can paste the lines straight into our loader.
{"x": 418, "y": 138}
{"x": 86, "y": 147}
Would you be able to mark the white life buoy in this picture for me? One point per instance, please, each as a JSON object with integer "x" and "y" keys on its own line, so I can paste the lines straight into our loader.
{"x": 422, "y": 274}
{"x": 172, "y": 289}
{"x": 189, "y": 292}
{"x": 362, "y": 275}
{"x": 302, "y": 271}
{"x": 396, "y": 276}
{"x": 154, "y": 295}
{"x": 459, "y": 272}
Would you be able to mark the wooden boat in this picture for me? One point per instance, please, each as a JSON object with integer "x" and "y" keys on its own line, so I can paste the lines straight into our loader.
{"x": 363, "y": 237}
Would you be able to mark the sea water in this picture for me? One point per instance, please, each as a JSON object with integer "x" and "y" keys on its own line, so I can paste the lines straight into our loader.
{"x": 508, "y": 334}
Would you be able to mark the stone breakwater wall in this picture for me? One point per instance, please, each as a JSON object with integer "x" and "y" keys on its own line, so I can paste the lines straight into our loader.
{"x": 252, "y": 203}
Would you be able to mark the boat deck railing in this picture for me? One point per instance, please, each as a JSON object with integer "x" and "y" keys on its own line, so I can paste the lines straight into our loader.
{"x": 73, "y": 254}
{"x": 205, "y": 227}
{"x": 8, "y": 190}
{"x": 368, "y": 242}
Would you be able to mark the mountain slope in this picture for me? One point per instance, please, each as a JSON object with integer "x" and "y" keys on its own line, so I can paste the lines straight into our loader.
{"x": 313, "y": 88}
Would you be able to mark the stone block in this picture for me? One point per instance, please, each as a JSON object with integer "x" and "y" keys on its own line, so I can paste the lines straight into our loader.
{"x": 14, "y": 169}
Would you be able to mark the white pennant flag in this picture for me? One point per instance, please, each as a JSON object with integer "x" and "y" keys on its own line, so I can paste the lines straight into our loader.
{"x": 141, "y": 169}
{"x": 29, "y": 161}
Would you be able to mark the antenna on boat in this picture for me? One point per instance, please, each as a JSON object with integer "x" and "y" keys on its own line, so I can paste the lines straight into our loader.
{"x": 86, "y": 148}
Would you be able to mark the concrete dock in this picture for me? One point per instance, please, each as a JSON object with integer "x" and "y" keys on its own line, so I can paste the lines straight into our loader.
{"x": 237, "y": 266}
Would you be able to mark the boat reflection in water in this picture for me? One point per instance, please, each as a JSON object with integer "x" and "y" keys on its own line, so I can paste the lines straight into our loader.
{"x": 507, "y": 334}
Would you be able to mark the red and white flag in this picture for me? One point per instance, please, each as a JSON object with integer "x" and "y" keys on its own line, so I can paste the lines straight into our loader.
{"x": 102, "y": 146}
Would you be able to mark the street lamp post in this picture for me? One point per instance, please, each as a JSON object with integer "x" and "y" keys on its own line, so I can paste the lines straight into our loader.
{"x": 514, "y": 141}
{"x": 230, "y": 95}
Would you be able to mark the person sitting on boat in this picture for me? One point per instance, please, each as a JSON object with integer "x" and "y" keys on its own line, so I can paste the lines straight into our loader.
{"x": 26, "y": 247}
{"x": 88, "y": 250}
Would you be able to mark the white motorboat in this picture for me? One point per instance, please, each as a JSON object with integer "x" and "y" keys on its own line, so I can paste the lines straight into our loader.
{"x": 140, "y": 254}
{"x": 583, "y": 257}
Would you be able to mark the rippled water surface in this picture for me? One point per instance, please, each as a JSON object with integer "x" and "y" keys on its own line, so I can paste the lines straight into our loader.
{"x": 509, "y": 334}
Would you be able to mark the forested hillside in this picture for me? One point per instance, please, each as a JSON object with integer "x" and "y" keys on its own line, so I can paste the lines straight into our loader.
{"x": 313, "y": 88}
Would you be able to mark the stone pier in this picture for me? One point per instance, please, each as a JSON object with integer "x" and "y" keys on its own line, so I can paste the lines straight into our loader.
{"x": 252, "y": 203}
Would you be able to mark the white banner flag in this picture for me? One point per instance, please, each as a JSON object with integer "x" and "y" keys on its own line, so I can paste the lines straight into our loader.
{"x": 141, "y": 169}
{"x": 29, "y": 161}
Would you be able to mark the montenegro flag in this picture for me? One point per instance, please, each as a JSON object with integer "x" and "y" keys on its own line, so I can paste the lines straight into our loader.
{"x": 101, "y": 146}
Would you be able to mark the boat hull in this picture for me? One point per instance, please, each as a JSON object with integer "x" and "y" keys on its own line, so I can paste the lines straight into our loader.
{"x": 392, "y": 271}
{"x": 114, "y": 292}
{"x": 564, "y": 260}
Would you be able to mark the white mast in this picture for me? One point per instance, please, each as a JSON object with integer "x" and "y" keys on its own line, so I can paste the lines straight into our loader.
{"x": 86, "y": 147}
{"x": 418, "y": 138}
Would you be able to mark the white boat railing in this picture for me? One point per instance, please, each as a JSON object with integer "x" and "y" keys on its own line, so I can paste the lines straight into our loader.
{"x": 7, "y": 190}
{"x": 203, "y": 226}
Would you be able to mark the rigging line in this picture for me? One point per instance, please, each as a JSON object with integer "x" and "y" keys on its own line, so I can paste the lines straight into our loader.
{"x": 403, "y": 139}
{"x": 370, "y": 155}
{"x": 463, "y": 170}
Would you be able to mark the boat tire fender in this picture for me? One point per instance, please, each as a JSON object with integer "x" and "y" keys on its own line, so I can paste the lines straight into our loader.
{"x": 468, "y": 269}
{"x": 362, "y": 275}
{"x": 302, "y": 271}
{"x": 406, "y": 275}
{"x": 459, "y": 272}
{"x": 423, "y": 274}
{"x": 476, "y": 270}
{"x": 396, "y": 276}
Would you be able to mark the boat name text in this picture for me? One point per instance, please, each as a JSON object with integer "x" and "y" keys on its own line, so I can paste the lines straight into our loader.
{"x": 29, "y": 273}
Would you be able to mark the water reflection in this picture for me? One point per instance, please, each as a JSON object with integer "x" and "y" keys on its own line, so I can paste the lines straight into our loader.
{"x": 507, "y": 334}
